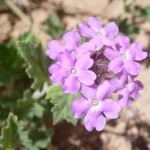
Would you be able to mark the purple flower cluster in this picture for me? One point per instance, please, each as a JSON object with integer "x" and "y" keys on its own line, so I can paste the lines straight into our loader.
{"x": 104, "y": 65}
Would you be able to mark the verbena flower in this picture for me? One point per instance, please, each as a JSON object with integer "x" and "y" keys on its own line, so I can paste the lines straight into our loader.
{"x": 129, "y": 90}
{"x": 105, "y": 64}
{"x": 125, "y": 57}
{"x": 94, "y": 104}
{"x": 71, "y": 42}
{"x": 72, "y": 73}
{"x": 95, "y": 30}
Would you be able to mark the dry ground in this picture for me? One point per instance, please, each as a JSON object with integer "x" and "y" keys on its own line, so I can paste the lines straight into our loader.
{"x": 132, "y": 131}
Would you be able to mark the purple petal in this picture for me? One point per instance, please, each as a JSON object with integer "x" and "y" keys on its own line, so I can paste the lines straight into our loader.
{"x": 55, "y": 48}
{"x": 116, "y": 65}
{"x": 57, "y": 78}
{"x": 110, "y": 30}
{"x": 104, "y": 90}
{"x": 111, "y": 53}
{"x": 131, "y": 87}
{"x": 72, "y": 40}
{"x": 85, "y": 30}
{"x": 80, "y": 106}
{"x": 89, "y": 122}
{"x": 123, "y": 76}
{"x": 111, "y": 108}
{"x": 97, "y": 42}
{"x": 95, "y": 110}
{"x": 84, "y": 62}
{"x": 117, "y": 84}
{"x": 124, "y": 100}
{"x": 71, "y": 85}
{"x": 123, "y": 41}
{"x": 53, "y": 69}
{"x": 137, "y": 49}
{"x": 135, "y": 95}
{"x": 94, "y": 23}
{"x": 58, "y": 73}
{"x": 88, "y": 92}
{"x": 86, "y": 77}
{"x": 85, "y": 49}
{"x": 108, "y": 41}
{"x": 139, "y": 86}
{"x": 66, "y": 60}
{"x": 100, "y": 123}
{"x": 132, "y": 67}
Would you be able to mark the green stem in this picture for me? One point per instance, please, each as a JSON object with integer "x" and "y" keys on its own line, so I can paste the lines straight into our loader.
{"x": 18, "y": 12}
{"x": 37, "y": 32}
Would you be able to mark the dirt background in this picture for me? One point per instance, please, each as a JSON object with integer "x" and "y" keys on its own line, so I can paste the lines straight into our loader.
{"x": 132, "y": 130}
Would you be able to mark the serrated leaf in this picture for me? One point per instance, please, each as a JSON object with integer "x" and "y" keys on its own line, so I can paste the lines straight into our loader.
{"x": 42, "y": 139}
{"x": 55, "y": 27}
{"x": 62, "y": 105}
{"x": 144, "y": 12}
{"x": 37, "y": 63}
{"x": 13, "y": 136}
{"x": 10, "y": 63}
{"x": 27, "y": 36}
{"x": 28, "y": 106}
{"x": 129, "y": 29}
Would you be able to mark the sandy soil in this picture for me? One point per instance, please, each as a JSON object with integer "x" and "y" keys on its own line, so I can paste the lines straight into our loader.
{"x": 132, "y": 130}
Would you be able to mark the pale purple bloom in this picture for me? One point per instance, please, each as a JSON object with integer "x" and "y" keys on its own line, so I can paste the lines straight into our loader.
{"x": 138, "y": 86}
{"x": 119, "y": 81}
{"x": 95, "y": 30}
{"x": 124, "y": 57}
{"x": 72, "y": 73}
{"x": 104, "y": 65}
{"x": 94, "y": 104}
{"x": 71, "y": 42}
{"x": 86, "y": 48}
{"x": 129, "y": 90}
{"x": 54, "y": 49}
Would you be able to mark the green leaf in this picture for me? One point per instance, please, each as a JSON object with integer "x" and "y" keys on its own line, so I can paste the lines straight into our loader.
{"x": 55, "y": 27}
{"x": 28, "y": 107}
{"x": 26, "y": 37}
{"x": 37, "y": 63}
{"x": 62, "y": 105}
{"x": 8, "y": 102}
{"x": 144, "y": 12}
{"x": 129, "y": 29}
{"x": 13, "y": 135}
{"x": 42, "y": 139}
{"x": 10, "y": 63}
{"x": 2, "y": 4}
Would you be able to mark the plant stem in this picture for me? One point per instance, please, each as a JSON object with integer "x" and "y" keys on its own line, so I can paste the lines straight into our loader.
{"x": 36, "y": 31}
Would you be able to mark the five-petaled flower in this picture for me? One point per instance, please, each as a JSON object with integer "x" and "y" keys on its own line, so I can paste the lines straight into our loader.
{"x": 105, "y": 64}
{"x": 96, "y": 103}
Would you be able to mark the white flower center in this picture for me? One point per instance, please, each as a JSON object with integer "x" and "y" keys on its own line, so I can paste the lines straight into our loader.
{"x": 94, "y": 102}
{"x": 98, "y": 33}
{"x": 73, "y": 71}
{"x": 74, "y": 53}
{"x": 123, "y": 55}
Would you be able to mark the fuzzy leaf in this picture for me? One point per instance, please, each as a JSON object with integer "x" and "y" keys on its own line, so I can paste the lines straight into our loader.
{"x": 42, "y": 139}
{"x": 144, "y": 12}
{"x": 10, "y": 63}
{"x": 13, "y": 136}
{"x": 28, "y": 106}
{"x": 62, "y": 105}
{"x": 55, "y": 26}
{"x": 37, "y": 63}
